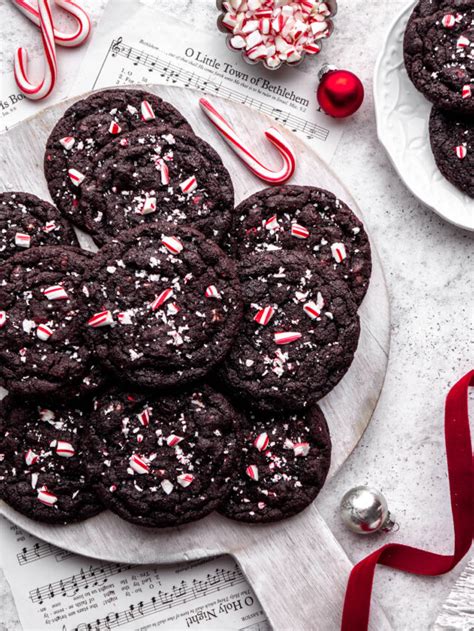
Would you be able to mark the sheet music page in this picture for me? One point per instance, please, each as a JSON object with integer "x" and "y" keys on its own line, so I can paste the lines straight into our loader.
{"x": 149, "y": 46}
{"x": 56, "y": 589}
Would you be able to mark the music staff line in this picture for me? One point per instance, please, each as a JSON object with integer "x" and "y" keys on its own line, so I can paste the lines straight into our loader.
{"x": 41, "y": 551}
{"x": 165, "y": 600}
{"x": 85, "y": 578}
{"x": 174, "y": 74}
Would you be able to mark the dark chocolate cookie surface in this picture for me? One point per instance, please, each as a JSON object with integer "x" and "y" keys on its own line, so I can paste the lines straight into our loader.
{"x": 157, "y": 174}
{"x": 298, "y": 335}
{"x": 90, "y": 124}
{"x": 304, "y": 218}
{"x": 438, "y": 52}
{"x": 162, "y": 460}
{"x": 27, "y": 221}
{"x": 284, "y": 463}
{"x": 42, "y": 348}
{"x": 452, "y": 143}
{"x": 42, "y": 471}
{"x": 164, "y": 305}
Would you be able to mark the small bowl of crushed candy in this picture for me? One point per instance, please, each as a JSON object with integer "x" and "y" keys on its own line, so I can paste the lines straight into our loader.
{"x": 276, "y": 32}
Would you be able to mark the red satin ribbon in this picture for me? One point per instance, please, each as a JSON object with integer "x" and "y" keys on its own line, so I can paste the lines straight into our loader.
{"x": 459, "y": 457}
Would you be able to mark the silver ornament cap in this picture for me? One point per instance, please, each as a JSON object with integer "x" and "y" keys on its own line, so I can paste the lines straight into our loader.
{"x": 364, "y": 511}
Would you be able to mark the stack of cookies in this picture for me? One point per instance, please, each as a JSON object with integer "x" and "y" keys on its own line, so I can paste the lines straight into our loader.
{"x": 177, "y": 370}
{"x": 439, "y": 58}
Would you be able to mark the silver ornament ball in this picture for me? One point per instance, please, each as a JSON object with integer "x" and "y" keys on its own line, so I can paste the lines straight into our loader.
{"x": 364, "y": 511}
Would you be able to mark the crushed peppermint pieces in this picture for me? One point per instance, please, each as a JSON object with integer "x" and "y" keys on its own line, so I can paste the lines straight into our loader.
{"x": 264, "y": 315}
{"x": 98, "y": 320}
{"x": 286, "y": 337}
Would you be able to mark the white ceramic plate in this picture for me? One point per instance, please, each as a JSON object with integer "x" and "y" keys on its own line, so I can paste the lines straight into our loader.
{"x": 402, "y": 125}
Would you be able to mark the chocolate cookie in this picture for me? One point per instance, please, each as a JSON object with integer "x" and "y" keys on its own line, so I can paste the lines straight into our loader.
{"x": 42, "y": 471}
{"x": 42, "y": 324}
{"x": 159, "y": 175}
{"x": 438, "y": 52}
{"x": 284, "y": 463}
{"x": 298, "y": 336}
{"x": 27, "y": 221}
{"x": 162, "y": 460}
{"x": 164, "y": 305}
{"x": 89, "y": 125}
{"x": 304, "y": 218}
{"x": 452, "y": 143}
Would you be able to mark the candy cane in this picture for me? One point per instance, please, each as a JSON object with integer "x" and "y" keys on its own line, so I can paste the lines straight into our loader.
{"x": 69, "y": 40}
{"x": 237, "y": 145}
{"x": 43, "y": 89}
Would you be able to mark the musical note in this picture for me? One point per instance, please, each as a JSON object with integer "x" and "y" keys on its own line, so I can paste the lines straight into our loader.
{"x": 71, "y": 585}
{"x": 40, "y": 551}
{"x": 177, "y": 596}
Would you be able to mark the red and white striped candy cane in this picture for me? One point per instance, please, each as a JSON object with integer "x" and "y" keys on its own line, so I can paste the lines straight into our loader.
{"x": 69, "y": 40}
{"x": 44, "y": 88}
{"x": 237, "y": 145}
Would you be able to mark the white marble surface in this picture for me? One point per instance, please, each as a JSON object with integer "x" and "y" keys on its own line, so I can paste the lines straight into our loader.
{"x": 427, "y": 265}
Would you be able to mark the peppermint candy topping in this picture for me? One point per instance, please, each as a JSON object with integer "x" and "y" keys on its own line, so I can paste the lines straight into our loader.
{"x": 173, "y": 308}
{"x": 103, "y": 318}
{"x": 461, "y": 151}
{"x": 3, "y": 319}
{"x": 22, "y": 240}
{"x": 261, "y": 442}
{"x": 173, "y": 440}
{"x": 114, "y": 128}
{"x": 64, "y": 449}
{"x": 189, "y": 185}
{"x": 272, "y": 223}
{"x": 147, "y": 111}
{"x": 149, "y": 206}
{"x": 462, "y": 42}
{"x": 161, "y": 299}
{"x": 212, "y": 292}
{"x": 124, "y": 317}
{"x": 67, "y": 142}
{"x": 139, "y": 464}
{"x": 172, "y": 244}
{"x": 76, "y": 177}
{"x": 185, "y": 479}
{"x": 252, "y": 472}
{"x": 313, "y": 309}
{"x": 300, "y": 232}
{"x": 264, "y": 316}
{"x": 144, "y": 417}
{"x": 49, "y": 227}
{"x": 338, "y": 251}
{"x": 46, "y": 497}
{"x": 312, "y": 49}
{"x": 301, "y": 449}
{"x": 448, "y": 20}
{"x": 44, "y": 332}
{"x": 466, "y": 91}
{"x": 31, "y": 457}
{"x": 286, "y": 337}
{"x": 167, "y": 486}
{"x": 55, "y": 292}
{"x": 165, "y": 172}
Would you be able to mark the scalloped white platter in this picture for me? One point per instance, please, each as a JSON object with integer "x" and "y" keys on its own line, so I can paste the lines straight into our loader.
{"x": 402, "y": 115}
{"x": 297, "y": 568}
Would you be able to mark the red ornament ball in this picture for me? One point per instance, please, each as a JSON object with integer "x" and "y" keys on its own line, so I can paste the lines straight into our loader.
{"x": 340, "y": 93}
